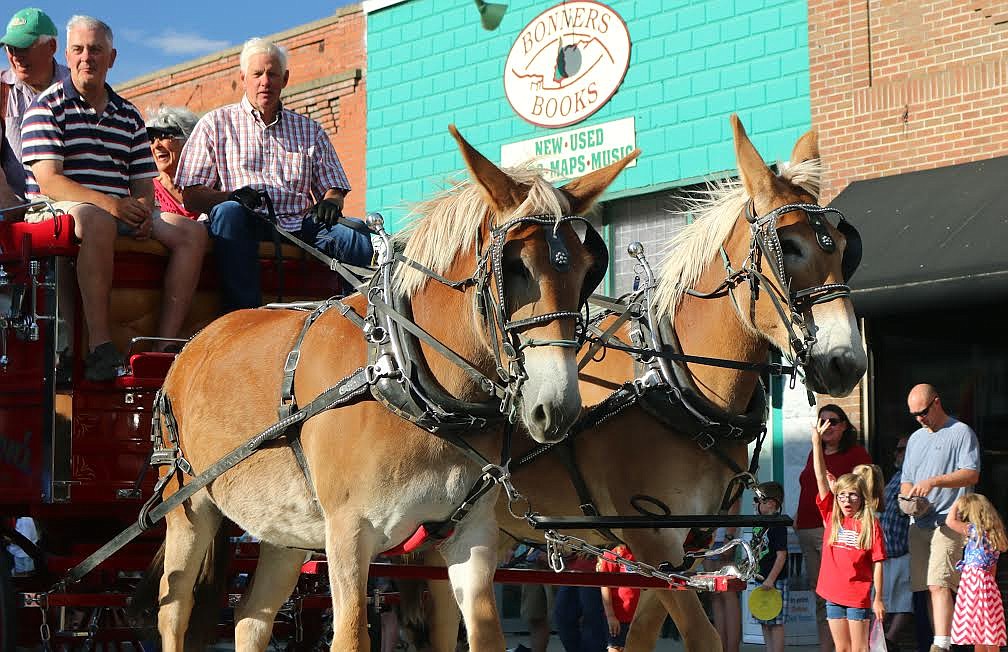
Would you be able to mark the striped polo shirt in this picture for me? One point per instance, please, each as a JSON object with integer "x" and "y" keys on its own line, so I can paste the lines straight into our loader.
{"x": 103, "y": 152}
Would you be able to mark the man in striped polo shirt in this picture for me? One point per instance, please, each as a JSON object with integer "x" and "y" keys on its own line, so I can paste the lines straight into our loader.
{"x": 85, "y": 150}
{"x": 240, "y": 149}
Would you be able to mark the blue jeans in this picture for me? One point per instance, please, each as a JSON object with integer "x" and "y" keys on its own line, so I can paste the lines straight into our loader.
{"x": 237, "y": 234}
{"x": 580, "y": 618}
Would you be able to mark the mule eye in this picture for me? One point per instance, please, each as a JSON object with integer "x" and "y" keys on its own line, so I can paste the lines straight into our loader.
{"x": 790, "y": 248}
{"x": 515, "y": 270}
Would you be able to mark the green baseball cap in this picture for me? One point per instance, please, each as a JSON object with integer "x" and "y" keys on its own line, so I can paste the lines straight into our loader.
{"x": 26, "y": 26}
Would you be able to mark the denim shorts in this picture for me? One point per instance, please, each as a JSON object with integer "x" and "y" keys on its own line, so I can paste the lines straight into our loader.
{"x": 835, "y": 611}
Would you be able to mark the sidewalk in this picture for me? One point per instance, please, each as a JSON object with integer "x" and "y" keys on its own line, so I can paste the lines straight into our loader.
{"x": 664, "y": 644}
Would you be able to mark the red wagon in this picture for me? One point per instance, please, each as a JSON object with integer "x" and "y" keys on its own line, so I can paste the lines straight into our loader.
{"x": 73, "y": 453}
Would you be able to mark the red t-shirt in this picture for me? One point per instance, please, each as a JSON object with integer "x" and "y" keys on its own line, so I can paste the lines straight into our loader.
{"x": 837, "y": 464}
{"x": 845, "y": 574}
{"x": 624, "y": 598}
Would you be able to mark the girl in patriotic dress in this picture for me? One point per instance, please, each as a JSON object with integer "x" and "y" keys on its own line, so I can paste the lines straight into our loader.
{"x": 979, "y": 618}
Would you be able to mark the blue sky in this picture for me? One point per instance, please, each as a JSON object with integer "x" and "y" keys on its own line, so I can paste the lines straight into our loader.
{"x": 154, "y": 35}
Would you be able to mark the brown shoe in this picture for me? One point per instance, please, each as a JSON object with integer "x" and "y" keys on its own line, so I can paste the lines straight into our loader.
{"x": 935, "y": 648}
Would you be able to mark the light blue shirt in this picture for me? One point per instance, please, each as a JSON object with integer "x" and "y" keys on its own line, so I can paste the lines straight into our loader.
{"x": 951, "y": 448}
{"x": 19, "y": 99}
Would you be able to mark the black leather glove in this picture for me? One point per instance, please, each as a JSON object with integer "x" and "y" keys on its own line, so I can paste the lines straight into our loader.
{"x": 328, "y": 211}
{"x": 247, "y": 197}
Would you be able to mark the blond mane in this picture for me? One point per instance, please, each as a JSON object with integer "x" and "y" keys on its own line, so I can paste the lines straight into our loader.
{"x": 441, "y": 228}
{"x": 715, "y": 210}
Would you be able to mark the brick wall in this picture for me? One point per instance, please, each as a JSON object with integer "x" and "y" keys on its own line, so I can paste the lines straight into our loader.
{"x": 903, "y": 86}
{"x": 327, "y": 83}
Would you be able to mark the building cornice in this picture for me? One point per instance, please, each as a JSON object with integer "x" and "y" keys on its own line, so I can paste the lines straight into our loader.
{"x": 371, "y": 6}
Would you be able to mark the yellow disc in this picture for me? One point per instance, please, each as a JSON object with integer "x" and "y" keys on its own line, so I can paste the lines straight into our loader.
{"x": 765, "y": 603}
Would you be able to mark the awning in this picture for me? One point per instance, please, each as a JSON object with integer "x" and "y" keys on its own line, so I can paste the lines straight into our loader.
{"x": 931, "y": 238}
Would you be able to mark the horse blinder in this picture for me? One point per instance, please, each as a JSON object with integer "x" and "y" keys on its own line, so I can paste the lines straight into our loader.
{"x": 852, "y": 253}
{"x": 559, "y": 257}
{"x": 596, "y": 246}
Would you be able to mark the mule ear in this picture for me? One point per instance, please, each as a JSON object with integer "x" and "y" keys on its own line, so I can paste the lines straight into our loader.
{"x": 583, "y": 191}
{"x": 807, "y": 147}
{"x": 500, "y": 191}
{"x": 756, "y": 176}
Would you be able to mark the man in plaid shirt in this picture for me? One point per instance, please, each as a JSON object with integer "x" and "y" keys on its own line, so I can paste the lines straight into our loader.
{"x": 240, "y": 149}
{"x": 896, "y": 567}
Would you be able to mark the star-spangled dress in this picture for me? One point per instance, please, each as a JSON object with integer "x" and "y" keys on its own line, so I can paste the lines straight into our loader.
{"x": 979, "y": 615}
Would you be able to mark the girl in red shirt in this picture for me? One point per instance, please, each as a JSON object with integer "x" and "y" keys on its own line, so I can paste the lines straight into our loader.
{"x": 853, "y": 550}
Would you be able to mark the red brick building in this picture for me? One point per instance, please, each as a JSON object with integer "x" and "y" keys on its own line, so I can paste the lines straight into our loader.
{"x": 904, "y": 86}
{"x": 327, "y": 82}
{"x": 911, "y": 102}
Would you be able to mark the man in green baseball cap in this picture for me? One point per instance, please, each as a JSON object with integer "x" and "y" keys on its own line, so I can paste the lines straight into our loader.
{"x": 26, "y": 26}
{"x": 30, "y": 42}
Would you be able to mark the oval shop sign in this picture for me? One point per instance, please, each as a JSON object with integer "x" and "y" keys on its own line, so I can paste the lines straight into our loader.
{"x": 567, "y": 63}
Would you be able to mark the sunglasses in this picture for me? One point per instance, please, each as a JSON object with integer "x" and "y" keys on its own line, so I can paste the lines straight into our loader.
{"x": 834, "y": 420}
{"x": 924, "y": 412}
{"x": 155, "y": 133}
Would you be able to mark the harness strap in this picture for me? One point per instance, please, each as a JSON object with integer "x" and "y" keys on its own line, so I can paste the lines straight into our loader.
{"x": 461, "y": 286}
{"x": 585, "y": 502}
{"x": 487, "y": 384}
{"x": 774, "y": 368}
{"x": 278, "y": 258}
{"x": 288, "y": 403}
{"x": 351, "y": 389}
{"x": 632, "y": 310}
{"x": 350, "y": 273}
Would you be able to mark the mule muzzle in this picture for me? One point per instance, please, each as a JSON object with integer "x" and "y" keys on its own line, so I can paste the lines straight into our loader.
{"x": 549, "y": 422}
{"x": 837, "y": 371}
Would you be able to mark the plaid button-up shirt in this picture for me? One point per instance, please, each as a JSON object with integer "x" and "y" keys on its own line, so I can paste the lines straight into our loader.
{"x": 291, "y": 158}
{"x": 895, "y": 524}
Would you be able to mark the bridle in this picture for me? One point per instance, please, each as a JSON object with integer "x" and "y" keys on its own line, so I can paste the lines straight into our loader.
{"x": 793, "y": 307}
{"x": 504, "y": 333}
{"x": 491, "y": 302}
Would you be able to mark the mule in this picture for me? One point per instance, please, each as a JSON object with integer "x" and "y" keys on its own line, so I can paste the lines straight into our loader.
{"x": 633, "y": 453}
{"x": 373, "y": 478}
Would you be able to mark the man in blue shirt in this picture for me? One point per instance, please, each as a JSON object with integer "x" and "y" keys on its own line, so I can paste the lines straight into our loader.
{"x": 30, "y": 43}
{"x": 942, "y": 463}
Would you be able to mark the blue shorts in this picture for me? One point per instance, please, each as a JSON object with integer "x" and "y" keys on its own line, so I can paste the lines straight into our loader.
{"x": 620, "y": 639}
{"x": 835, "y": 611}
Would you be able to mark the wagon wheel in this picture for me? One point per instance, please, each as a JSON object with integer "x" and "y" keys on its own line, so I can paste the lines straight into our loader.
{"x": 7, "y": 621}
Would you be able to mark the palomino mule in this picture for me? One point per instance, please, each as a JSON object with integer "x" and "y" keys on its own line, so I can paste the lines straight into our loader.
{"x": 374, "y": 477}
{"x": 636, "y": 453}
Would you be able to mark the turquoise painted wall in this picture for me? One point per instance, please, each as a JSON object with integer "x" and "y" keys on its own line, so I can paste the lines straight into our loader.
{"x": 692, "y": 64}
